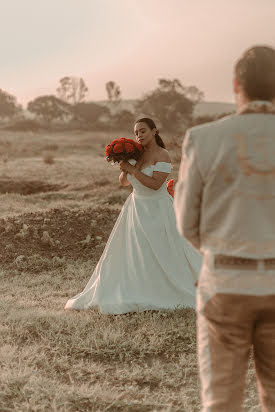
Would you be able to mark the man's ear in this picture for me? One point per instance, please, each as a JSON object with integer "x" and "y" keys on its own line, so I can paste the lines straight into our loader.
{"x": 236, "y": 86}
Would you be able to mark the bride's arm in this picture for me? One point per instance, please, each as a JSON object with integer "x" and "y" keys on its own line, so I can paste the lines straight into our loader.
{"x": 154, "y": 182}
{"x": 123, "y": 179}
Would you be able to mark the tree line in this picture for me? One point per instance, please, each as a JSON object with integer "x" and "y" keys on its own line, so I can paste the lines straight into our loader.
{"x": 171, "y": 104}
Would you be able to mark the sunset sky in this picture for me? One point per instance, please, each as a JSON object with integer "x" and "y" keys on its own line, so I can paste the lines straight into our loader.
{"x": 132, "y": 42}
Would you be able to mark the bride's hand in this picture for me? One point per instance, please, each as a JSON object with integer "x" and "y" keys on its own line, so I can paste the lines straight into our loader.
{"x": 126, "y": 167}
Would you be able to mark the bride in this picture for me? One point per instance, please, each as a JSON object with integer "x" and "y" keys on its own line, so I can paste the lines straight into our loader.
{"x": 146, "y": 264}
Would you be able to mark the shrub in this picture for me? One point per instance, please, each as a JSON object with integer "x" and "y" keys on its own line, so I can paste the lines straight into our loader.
{"x": 48, "y": 159}
{"x": 25, "y": 125}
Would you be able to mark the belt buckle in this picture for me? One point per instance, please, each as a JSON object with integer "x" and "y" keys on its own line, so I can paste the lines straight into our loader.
{"x": 269, "y": 263}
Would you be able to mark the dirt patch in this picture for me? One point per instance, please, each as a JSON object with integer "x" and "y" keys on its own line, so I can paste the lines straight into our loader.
{"x": 27, "y": 187}
{"x": 44, "y": 240}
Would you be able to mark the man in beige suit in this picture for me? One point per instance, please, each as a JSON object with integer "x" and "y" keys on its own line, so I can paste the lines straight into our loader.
{"x": 225, "y": 206}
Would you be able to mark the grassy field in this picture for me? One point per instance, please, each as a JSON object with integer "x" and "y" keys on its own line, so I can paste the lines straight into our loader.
{"x": 58, "y": 202}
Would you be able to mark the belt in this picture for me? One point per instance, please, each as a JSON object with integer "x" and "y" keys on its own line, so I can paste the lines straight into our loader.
{"x": 236, "y": 262}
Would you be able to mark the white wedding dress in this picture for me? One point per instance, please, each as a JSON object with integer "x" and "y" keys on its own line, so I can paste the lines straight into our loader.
{"x": 146, "y": 264}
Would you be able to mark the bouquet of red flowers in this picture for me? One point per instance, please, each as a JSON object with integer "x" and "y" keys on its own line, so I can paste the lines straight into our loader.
{"x": 123, "y": 149}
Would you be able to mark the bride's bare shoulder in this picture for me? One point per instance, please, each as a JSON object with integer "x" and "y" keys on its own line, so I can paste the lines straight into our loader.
{"x": 163, "y": 156}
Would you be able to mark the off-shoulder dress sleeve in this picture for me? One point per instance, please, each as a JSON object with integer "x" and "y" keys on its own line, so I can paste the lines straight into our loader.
{"x": 164, "y": 167}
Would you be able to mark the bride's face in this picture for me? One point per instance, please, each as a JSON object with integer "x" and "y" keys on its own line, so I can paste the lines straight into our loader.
{"x": 144, "y": 134}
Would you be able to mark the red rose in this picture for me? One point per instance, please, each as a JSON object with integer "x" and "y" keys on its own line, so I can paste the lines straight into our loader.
{"x": 129, "y": 147}
{"x": 170, "y": 187}
{"x": 122, "y": 139}
{"x": 118, "y": 148}
{"x": 115, "y": 142}
{"x": 108, "y": 150}
{"x": 139, "y": 146}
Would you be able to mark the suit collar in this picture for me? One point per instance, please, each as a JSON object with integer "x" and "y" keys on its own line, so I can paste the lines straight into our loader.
{"x": 257, "y": 106}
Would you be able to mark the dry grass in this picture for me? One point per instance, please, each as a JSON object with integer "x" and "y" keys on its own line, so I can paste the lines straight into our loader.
{"x": 53, "y": 360}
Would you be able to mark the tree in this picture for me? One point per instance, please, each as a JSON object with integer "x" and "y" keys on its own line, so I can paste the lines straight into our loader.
{"x": 168, "y": 105}
{"x": 113, "y": 91}
{"x": 194, "y": 94}
{"x": 49, "y": 108}
{"x": 92, "y": 114}
{"x": 167, "y": 85}
{"x": 191, "y": 92}
{"x": 72, "y": 89}
{"x": 8, "y": 105}
{"x": 123, "y": 120}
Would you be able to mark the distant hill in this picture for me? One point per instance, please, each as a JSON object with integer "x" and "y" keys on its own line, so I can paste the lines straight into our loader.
{"x": 202, "y": 109}
{"x": 213, "y": 108}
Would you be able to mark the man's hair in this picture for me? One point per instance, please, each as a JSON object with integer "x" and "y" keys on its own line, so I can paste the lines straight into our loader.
{"x": 255, "y": 72}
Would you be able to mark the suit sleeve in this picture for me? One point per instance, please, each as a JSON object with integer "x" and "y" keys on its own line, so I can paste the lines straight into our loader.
{"x": 188, "y": 194}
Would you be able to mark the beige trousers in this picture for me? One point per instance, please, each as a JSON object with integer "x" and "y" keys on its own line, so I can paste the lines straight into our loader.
{"x": 228, "y": 324}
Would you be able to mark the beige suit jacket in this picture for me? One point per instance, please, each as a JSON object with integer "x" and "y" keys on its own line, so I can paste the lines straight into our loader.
{"x": 225, "y": 195}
